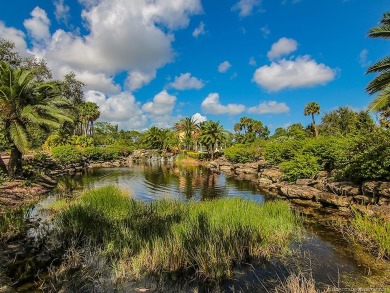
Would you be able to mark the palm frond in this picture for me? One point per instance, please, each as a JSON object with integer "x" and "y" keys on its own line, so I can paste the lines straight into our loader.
{"x": 30, "y": 113}
{"x": 380, "y": 66}
{"x": 380, "y": 32}
{"x": 386, "y": 18}
{"x": 381, "y": 102}
{"x": 19, "y": 136}
{"x": 379, "y": 83}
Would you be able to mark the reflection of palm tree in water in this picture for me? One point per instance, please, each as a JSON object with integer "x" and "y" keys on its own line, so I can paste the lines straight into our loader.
{"x": 209, "y": 189}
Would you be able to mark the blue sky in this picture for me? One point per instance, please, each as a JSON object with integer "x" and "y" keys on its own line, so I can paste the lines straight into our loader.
{"x": 152, "y": 62}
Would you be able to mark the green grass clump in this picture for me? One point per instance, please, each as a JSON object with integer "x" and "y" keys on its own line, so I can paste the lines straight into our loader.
{"x": 374, "y": 232}
{"x": 13, "y": 223}
{"x": 207, "y": 239}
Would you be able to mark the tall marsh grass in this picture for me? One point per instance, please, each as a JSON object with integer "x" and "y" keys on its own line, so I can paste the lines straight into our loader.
{"x": 205, "y": 239}
{"x": 373, "y": 232}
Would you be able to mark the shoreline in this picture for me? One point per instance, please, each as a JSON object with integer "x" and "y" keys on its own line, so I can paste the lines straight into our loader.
{"x": 318, "y": 196}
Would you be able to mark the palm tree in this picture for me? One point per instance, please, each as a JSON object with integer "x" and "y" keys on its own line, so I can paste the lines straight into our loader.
{"x": 89, "y": 112}
{"x": 252, "y": 129}
{"x": 311, "y": 109}
{"x": 154, "y": 137}
{"x": 211, "y": 134}
{"x": 189, "y": 127}
{"x": 26, "y": 101}
{"x": 381, "y": 83}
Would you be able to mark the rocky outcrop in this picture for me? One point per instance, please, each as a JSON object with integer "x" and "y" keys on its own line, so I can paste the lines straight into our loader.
{"x": 150, "y": 155}
{"x": 301, "y": 192}
{"x": 319, "y": 193}
{"x": 376, "y": 189}
{"x": 343, "y": 188}
{"x": 273, "y": 174}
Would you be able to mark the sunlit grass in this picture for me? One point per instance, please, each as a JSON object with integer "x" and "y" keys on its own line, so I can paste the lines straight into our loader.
{"x": 206, "y": 239}
{"x": 374, "y": 232}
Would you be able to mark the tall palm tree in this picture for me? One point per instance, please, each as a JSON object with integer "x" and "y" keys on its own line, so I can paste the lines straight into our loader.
{"x": 381, "y": 83}
{"x": 189, "y": 127}
{"x": 311, "y": 109}
{"x": 26, "y": 101}
{"x": 89, "y": 112}
{"x": 211, "y": 134}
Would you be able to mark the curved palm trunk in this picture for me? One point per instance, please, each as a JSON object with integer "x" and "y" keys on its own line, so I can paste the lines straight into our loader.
{"x": 15, "y": 163}
{"x": 314, "y": 125}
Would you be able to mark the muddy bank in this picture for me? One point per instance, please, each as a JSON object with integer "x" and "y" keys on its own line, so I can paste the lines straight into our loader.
{"x": 320, "y": 195}
{"x": 17, "y": 193}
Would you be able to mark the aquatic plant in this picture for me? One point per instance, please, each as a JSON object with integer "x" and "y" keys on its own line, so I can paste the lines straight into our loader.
{"x": 205, "y": 239}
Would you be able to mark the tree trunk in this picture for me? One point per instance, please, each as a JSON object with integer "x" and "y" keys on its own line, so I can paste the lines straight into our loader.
{"x": 15, "y": 163}
{"x": 212, "y": 151}
{"x": 314, "y": 126}
{"x": 3, "y": 167}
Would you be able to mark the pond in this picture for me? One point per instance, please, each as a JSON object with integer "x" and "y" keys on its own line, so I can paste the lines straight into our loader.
{"x": 323, "y": 253}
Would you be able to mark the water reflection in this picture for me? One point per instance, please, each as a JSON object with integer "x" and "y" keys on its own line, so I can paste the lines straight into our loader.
{"x": 157, "y": 180}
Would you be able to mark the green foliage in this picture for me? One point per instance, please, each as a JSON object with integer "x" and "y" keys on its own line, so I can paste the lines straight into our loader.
{"x": 344, "y": 121}
{"x": 301, "y": 166}
{"x": 207, "y": 239}
{"x": 198, "y": 156}
{"x": 111, "y": 152}
{"x": 373, "y": 232}
{"x": 211, "y": 134}
{"x": 296, "y": 131}
{"x": 81, "y": 140}
{"x": 248, "y": 129}
{"x": 13, "y": 223}
{"x": 367, "y": 157}
{"x": 66, "y": 155}
{"x": 329, "y": 151}
{"x": 241, "y": 153}
{"x": 282, "y": 149}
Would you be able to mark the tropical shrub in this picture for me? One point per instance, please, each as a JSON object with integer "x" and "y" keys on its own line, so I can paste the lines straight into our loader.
{"x": 329, "y": 151}
{"x": 66, "y": 154}
{"x": 111, "y": 152}
{"x": 367, "y": 157}
{"x": 301, "y": 166}
{"x": 282, "y": 149}
{"x": 196, "y": 155}
{"x": 241, "y": 153}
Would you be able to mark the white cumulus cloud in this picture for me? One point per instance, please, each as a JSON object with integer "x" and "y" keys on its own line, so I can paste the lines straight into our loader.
{"x": 283, "y": 46}
{"x": 199, "y": 118}
{"x": 137, "y": 79}
{"x": 224, "y": 66}
{"x": 38, "y": 25}
{"x": 121, "y": 109}
{"x": 162, "y": 104}
{"x": 185, "y": 82}
{"x": 122, "y": 36}
{"x": 269, "y": 107}
{"x": 301, "y": 72}
{"x": 245, "y": 7}
{"x": 14, "y": 35}
{"x": 200, "y": 30}
{"x": 211, "y": 105}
